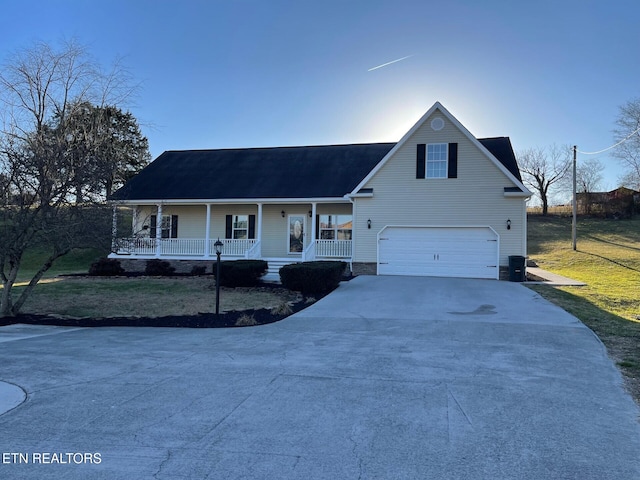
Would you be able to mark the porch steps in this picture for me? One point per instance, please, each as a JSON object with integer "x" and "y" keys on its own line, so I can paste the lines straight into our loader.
{"x": 276, "y": 263}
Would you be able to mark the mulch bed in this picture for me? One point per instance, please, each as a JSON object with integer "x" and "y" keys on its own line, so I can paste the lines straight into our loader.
{"x": 202, "y": 320}
{"x": 261, "y": 316}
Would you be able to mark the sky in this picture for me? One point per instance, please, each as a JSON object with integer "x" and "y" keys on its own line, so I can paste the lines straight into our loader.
{"x": 255, "y": 73}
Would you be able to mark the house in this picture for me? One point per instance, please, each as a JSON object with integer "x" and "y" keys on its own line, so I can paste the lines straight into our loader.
{"x": 621, "y": 202}
{"x": 439, "y": 203}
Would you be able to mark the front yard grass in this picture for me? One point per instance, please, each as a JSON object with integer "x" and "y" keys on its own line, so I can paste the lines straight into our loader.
{"x": 608, "y": 261}
{"x": 99, "y": 297}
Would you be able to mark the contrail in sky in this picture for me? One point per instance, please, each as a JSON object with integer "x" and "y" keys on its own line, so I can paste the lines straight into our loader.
{"x": 389, "y": 63}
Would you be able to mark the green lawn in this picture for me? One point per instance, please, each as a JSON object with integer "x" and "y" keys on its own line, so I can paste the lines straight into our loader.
{"x": 77, "y": 261}
{"x": 607, "y": 259}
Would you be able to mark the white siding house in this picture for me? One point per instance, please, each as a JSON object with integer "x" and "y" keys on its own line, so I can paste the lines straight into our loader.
{"x": 439, "y": 202}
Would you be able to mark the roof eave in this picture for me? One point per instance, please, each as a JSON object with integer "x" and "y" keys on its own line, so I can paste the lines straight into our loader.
{"x": 223, "y": 201}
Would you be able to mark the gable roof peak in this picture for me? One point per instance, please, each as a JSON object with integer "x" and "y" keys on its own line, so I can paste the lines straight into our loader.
{"x": 438, "y": 106}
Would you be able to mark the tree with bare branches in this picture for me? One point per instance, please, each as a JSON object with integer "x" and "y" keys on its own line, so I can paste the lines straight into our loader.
{"x": 544, "y": 168}
{"x": 628, "y": 151}
{"x": 42, "y": 161}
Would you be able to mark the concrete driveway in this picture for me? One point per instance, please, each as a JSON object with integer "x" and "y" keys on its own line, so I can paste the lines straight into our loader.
{"x": 387, "y": 377}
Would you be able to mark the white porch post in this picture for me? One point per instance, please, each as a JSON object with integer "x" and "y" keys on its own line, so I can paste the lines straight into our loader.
{"x": 159, "y": 230}
{"x": 207, "y": 233}
{"x": 114, "y": 229}
{"x": 134, "y": 221}
{"x": 314, "y": 234}
{"x": 259, "y": 227}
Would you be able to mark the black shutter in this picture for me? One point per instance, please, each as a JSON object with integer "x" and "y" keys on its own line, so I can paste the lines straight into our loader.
{"x": 252, "y": 226}
{"x": 317, "y": 227}
{"x": 174, "y": 226}
{"x": 229, "y": 229}
{"x": 453, "y": 160}
{"x": 152, "y": 226}
{"x": 421, "y": 158}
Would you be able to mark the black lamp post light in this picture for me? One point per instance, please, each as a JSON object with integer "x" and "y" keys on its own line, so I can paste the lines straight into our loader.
{"x": 218, "y": 246}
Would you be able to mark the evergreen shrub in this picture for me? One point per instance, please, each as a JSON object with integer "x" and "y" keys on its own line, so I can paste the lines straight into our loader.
{"x": 241, "y": 273}
{"x": 312, "y": 277}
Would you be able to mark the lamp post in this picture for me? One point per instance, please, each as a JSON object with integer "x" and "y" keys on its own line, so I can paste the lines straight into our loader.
{"x": 218, "y": 246}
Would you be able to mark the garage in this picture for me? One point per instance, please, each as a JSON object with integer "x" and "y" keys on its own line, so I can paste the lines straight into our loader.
{"x": 470, "y": 252}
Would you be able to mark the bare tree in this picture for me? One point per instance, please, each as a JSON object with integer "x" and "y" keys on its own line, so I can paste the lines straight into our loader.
{"x": 544, "y": 168}
{"x": 588, "y": 180}
{"x": 628, "y": 152}
{"x": 39, "y": 89}
{"x": 589, "y": 175}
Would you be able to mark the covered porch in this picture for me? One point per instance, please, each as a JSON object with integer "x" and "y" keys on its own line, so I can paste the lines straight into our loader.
{"x": 188, "y": 231}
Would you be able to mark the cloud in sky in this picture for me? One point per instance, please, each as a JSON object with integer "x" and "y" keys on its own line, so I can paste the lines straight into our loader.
{"x": 389, "y": 63}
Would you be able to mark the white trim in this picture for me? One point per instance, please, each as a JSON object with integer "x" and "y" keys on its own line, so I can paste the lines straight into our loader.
{"x": 426, "y": 162}
{"x": 517, "y": 194}
{"x": 235, "y": 217}
{"x": 462, "y": 128}
{"x": 232, "y": 201}
{"x": 359, "y": 195}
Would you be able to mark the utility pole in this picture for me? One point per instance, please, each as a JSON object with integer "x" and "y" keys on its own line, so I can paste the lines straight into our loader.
{"x": 574, "y": 224}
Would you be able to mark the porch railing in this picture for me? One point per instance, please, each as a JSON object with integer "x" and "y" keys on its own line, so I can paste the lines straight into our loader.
{"x": 136, "y": 246}
{"x": 233, "y": 247}
{"x": 181, "y": 247}
{"x": 333, "y": 248}
{"x": 255, "y": 251}
{"x": 309, "y": 253}
{"x": 248, "y": 248}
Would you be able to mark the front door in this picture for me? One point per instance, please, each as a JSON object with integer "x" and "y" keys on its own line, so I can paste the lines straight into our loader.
{"x": 296, "y": 234}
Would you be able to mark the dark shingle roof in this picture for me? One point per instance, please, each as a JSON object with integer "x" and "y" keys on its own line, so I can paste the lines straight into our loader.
{"x": 501, "y": 148}
{"x": 282, "y": 172}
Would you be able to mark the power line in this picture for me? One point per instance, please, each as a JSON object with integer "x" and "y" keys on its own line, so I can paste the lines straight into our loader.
{"x": 612, "y": 146}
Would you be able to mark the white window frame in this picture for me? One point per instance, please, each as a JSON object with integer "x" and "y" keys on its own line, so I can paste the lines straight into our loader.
{"x": 235, "y": 229}
{"x": 434, "y": 156}
{"x": 334, "y": 229}
{"x": 165, "y": 226}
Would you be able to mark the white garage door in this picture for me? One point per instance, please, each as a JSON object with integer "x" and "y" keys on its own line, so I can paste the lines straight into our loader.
{"x": 470, "y": 252}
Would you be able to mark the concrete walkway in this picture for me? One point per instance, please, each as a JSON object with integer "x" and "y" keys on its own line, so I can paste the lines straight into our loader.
{"x": 387, "y": 377}
{"x": 553, "y": 279}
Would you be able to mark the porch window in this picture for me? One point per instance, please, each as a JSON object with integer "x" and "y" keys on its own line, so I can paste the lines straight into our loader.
{"x": 335, "y": 227}
{"x": 240, "y": 227}
{"x": 168, "y": 226}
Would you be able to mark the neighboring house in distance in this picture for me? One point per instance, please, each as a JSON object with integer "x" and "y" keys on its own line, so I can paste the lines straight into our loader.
{"x": 621, "y": 202}
{"x": 437, "y": 203}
